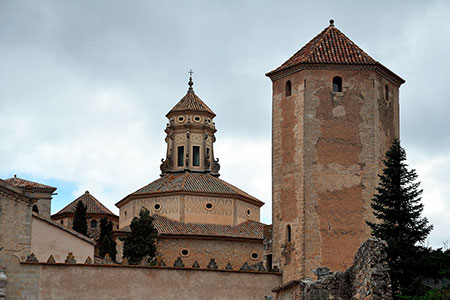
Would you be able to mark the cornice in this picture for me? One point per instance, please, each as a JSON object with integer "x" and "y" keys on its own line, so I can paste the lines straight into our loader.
{"x": 378, "y": 68}
{"x": 131, "y": 197}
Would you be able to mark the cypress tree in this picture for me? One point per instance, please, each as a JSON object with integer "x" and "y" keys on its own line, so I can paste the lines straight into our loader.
{"x": 397, "y": 207}
{"x": 106, "y": 243}
{"x": 80, "y": 220}
{"x": 140, "y": 242}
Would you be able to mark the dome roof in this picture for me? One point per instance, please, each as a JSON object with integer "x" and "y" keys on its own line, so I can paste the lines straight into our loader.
{"x": 192, "y": 182}
{"x": 191, "y": 102}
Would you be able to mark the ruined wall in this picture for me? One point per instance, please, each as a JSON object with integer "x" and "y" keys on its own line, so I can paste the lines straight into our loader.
{"x": 135, "y": 282}
{"x": 327, "y": 152}
{"x": 367, "y": 279}
{"x": 202, "y": 250}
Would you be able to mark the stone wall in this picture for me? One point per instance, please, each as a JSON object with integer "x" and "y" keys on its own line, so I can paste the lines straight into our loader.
{"x": 105, "y": 282}
{"x": 367, "y": 279}
{"x": 15, "y": 239}
{"x": 202, "y": 250}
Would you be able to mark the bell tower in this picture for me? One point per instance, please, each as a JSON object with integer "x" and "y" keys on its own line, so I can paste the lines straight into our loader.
{"x": 335, "y": 111}
{"x": 190, "y": 136}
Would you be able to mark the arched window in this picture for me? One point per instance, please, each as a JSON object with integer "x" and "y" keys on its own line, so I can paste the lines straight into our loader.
{"x": 337, "y": 84}
{"x": 288, "y": 233}
{"x": 94, "y": 224}
{"x": 386, "y": 92}
{"x": 35, "y": 209}
{"x": 62, "y": 222}
{"x": 288, "y": 88}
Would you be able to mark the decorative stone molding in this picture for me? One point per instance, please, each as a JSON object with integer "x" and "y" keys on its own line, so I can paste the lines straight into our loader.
{"x": 178, "y": 263}
{"x": 31, "y": 258}
{"x": 107, "y": 260}
{"x": 162, "y": 263}
{"x": 144, "y": 262}
{"x": 212, "y": 264}
{"x": 195, "y": 265}
{"x": 229, "y": 267}
{"x": 245, "y": 267}
{"x": 88, "y": 261}
{"x": 51, "y": 259}
{"x": 70, "y": 259}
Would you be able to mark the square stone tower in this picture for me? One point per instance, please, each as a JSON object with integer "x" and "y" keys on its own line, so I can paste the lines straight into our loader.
{"x": 335, "y": 111}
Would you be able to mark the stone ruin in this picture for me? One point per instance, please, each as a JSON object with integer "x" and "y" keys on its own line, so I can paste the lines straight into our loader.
{"x": 368, "y": 279}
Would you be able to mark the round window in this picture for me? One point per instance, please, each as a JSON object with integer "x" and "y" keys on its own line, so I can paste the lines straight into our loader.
{"x": 197, "y": 119}
{"x": 209, "y": 205}
{"x": 157, "y": 206}
{"x": 248, "y": 212}
{"x": 254, "y": 256}
{"x": 184, "y": 252}
{"x": 180, "y": 119}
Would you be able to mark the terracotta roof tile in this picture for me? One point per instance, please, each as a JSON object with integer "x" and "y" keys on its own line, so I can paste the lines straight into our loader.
{"x": 191, "y": 102}
{"x": 330, "y": 46}
{"x": 193, "y": 182}
{"x": 23, "y": 183}
{"x": 166, "y": 226}
{"x": 93, "y": 206}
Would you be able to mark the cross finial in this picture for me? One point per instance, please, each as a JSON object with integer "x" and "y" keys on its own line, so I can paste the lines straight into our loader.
{"x": 190, "y": 83}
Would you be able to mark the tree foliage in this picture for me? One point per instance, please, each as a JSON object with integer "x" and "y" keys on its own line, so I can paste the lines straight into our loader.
{"x": 80, "y": 220}
{"x": 140, "y": 242}
{"x": 397, "y": 207}
{"x": 106, "y": 244}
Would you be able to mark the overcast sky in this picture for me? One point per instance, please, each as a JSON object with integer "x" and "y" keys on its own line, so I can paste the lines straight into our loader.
{"x": 85, "y": 86}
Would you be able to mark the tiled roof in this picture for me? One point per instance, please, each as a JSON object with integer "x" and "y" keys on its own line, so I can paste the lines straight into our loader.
{"x": 193, "y": 182}
{"x": 191, "y": 102}
{"x": 23, "y": 183}
{"x": 93, "y": 206}
{"x": 246, "y": 230}
{"x": 330, "y": 46}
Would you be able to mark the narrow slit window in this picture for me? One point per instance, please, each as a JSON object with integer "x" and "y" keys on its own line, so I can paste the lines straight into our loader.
{"x": 196, "y": 156}
{"x": 35, "y": 209}
{"x": 386, "y": 92}
{"x": 181, "y": 156}
{"x": 337, "y": 84}
{"x": 288, "y": 88}
{"x": 93, "y": 224}
{"x": 288, "y": 233}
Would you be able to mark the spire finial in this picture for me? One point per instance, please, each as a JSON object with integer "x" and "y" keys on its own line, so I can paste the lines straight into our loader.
{"x": 191, "y": 83}
{"x": 331, "y": 22}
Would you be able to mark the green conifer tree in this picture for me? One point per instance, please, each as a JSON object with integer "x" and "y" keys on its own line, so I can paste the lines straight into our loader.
{"x": 80, "y": 220}
{"x": 106, "y": 244}
{"x": 140, "y": 242}
{"x": 397, "y": 207}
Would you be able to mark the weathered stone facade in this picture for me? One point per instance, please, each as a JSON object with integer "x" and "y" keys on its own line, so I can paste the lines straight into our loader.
{"x": 368, "y": 279}
{"x": 327, "y": 149}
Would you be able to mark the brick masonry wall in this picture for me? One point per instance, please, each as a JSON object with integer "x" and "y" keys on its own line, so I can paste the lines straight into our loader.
{"x": 327, "y": 152}
{"x": 201, "y": 250}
